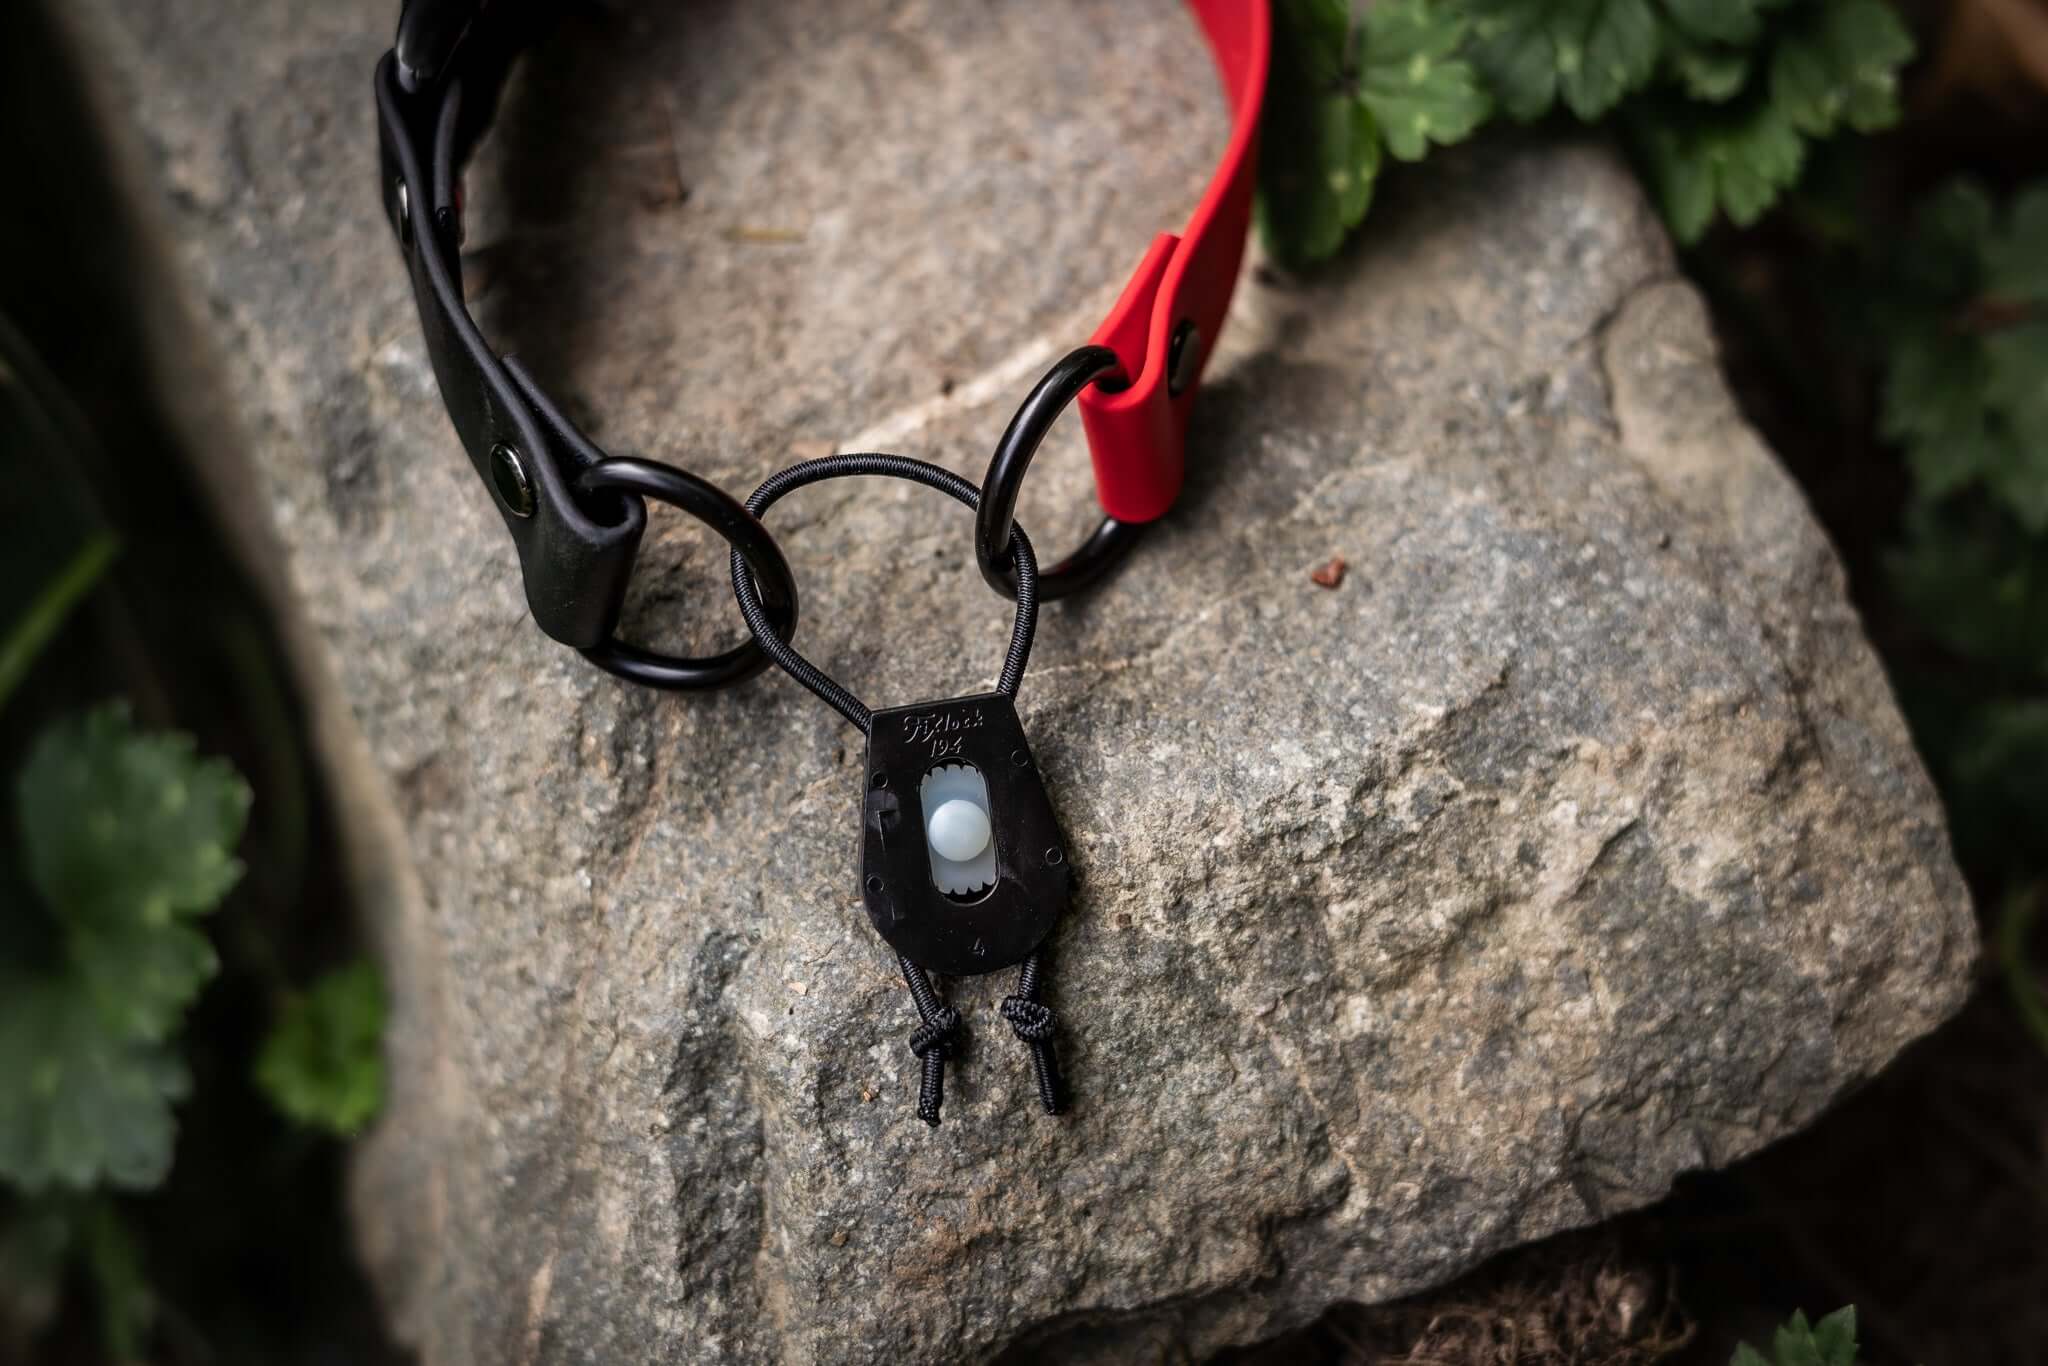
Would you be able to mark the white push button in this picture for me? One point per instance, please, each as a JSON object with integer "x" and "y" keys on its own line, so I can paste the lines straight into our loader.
{"x": 958, "y": 830}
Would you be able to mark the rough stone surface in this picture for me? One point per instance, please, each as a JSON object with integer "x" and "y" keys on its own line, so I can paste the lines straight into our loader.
{"x": 1572, "y": 842}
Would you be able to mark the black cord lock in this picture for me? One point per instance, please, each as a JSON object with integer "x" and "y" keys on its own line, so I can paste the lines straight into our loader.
{"x": 962, "y": 864}
{"x": 961, "y": 860}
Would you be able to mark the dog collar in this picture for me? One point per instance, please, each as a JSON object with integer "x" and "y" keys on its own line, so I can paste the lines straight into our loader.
{"x": 963, "y": 867}
{"x": 437, "y": 91}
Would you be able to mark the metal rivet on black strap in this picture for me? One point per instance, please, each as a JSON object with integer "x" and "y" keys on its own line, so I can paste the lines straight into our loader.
{"x": 509, "y": 477}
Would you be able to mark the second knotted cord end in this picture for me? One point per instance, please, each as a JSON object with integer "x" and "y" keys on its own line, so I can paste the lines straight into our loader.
{"x": 1032, "y": 1021}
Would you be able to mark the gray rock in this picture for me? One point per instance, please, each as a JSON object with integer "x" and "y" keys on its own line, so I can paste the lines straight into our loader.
{"x": 1572, "y": 842}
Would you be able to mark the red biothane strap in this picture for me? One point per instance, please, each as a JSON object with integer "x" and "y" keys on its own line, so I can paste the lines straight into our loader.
{"x": 1137, "y": 435}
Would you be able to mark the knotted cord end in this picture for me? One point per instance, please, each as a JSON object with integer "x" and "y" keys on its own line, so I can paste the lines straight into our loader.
{"x": 1031, "y": 1020}
{"x": 935, "y": 1036}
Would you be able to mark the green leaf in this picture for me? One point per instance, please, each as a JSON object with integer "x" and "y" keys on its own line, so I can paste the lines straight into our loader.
{"x": 323, "y": 1064}
{"x": 1589, "y": 53}
{"x": 124, "y": 829}
{"x": 1514, "y": 57}
{"x": 1317, "y": 36}
{"x": 1709, "y": 72}
{"x": 26, "y": 639}
{"x": 1839, "y": 65}
{"x": 1320, "y": 150}
{"x": 1418, "y": 90}
{"x": 1719, "y": 21}
{"x": 1835, "y": 1337}
{"x": 1798, "y": 1343}
{"x": 1963, "y": 391}
{"x": 1316, "y": 183}
{"x": 81, "y": 1103}
{"x": 1735, "y": 160}
{"x": 125, "y": 836}
{"x": 143, "y": 978}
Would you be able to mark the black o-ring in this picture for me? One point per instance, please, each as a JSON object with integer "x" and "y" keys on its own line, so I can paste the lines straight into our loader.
{"x": 723, "y": 513}
{"x": 1075, "y": 371}
{"x": 776, "y": 644}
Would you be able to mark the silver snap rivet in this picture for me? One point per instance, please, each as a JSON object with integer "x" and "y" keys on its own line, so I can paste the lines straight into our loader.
{"x": 509, "y": 477}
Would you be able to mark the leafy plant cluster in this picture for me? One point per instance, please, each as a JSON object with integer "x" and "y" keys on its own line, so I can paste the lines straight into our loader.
{"x": 1962, "y": 308}
{"x": 1831, "y": 1342}
{"x": 124, "y": 843}
{"x": 1965, "y": 315}
{"x": 1719, "y": 98}
{"x": 127, "y": 839}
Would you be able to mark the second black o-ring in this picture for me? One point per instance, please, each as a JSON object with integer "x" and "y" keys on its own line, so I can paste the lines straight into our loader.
{"x": 994, "y": 519}
{"x": 776, "y": 644}
{"x": 723, "y": 513}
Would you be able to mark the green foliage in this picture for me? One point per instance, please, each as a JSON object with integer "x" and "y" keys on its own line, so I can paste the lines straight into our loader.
{"x": 1831, "y": 1342}
{"x": 1585, "y": 53}
{"x": 1413, "y": 80}
{"x": 1964, "y": 395}
{"x": 1720, "y": 98}
{"x": 1837, "y": 66}
{"x": 1705, "y": 160}
{"x": 323, "y": 1064}
{"x": 85, "y": 1103}
{"x": 126, "y": 837}
{"x": 1961, "y": 311}
{"x": 1344, "y": 94}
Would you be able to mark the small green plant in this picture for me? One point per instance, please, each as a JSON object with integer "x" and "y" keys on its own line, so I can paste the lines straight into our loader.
{"x": 1831, "y": 1342}
{"x": 127, "y": 838}
{"x": 1718, "y": 98}
{"x": 323, "y": 1064}
{"x": 125, "y": 841}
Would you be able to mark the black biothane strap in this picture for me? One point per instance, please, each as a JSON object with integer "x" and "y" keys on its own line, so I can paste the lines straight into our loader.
{"x": 436, "y": 93}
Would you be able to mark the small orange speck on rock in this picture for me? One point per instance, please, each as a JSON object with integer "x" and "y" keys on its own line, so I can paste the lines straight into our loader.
{"x": 1329, "y": 575}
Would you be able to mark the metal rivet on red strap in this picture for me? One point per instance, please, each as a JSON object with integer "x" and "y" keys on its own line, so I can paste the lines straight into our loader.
{"x": 1183, "y": 357}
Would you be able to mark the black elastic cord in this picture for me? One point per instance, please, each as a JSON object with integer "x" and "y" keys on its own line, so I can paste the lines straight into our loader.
{"x": 1032, "y": 1021}
{"x": 931, "y": 1041}
{"x": 790, "y": 660}
{"x": 938, "y": 1027}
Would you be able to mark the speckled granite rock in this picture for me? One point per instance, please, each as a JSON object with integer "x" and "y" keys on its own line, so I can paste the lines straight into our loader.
{"x": 1572, "y": 842}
